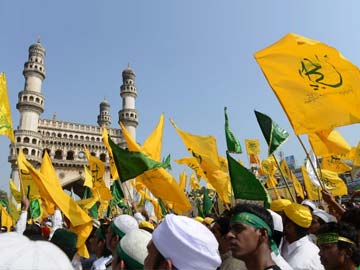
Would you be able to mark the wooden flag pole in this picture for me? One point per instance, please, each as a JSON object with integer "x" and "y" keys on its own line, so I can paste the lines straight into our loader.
{"x": 282, "y": 175}
{"x": 312, "y": 165}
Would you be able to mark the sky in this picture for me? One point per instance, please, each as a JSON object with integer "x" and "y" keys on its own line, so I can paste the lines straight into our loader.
{"x": 191, "y": 59}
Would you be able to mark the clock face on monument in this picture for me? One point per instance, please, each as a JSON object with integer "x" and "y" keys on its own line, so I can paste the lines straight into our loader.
{"x": 81, "y": 155}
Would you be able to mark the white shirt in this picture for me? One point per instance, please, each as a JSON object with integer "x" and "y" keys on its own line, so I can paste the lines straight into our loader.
{"x": 100, "y": 264}
{"x": 302, "y": 254}
{"x": 21, "y": 223}
{"x": 280, "y": 261}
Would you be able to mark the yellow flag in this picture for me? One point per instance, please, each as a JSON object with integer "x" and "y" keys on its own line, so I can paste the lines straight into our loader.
{"x": 14, "y": 191}
{"x": 157, "y": 208}
{"x": 88, "y": 182}
{"x": 297, "y": 186}
{"x": 334, "y": 183}
{"x": 113, "y": 170}
{"x": 271, "y": 182}
{"x": 285, "y": 169}
{"x": 6, "y": 219}
{"x": 153, "y": 144}
{"x": 27, "y": 182}
{"x": 13, "y": 211}
{"x": 317, "y": 87}
{"x": 335, "y": 164}
{"x": 328, "y": 142}
{"x": 51, "y": 190}
{"x": 159, "y": 182}
{"x": 254, "y": 159}
{"x": 192, "y": 163}
{"x": 268, "y": 166}
{"x": 312, "y": 191}
{"x": 182, "y": 182}
{"x": 204, "y": 149}
{"x": 194, "y": 183}
{"x": 356, "y": 155}
{"x": 252, "y": 146}
{"x": 5, "y": 114}
{"x": 97, "y": 169}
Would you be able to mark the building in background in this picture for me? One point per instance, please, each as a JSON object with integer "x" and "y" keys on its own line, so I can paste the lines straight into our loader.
{"x": 64, "y": 140}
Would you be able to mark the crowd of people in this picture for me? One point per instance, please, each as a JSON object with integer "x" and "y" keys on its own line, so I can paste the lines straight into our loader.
{"x": 307, "y": 235}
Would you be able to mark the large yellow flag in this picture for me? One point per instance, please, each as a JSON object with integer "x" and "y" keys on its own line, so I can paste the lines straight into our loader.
{"x": 334, "y": 183}
{"x": 5, "y": 114}
{"x": 159, "y": 182}
{"x": 97, "y": 169}
{"x": 312, "y": 191}
{"x": 335, "y": 164}
{"x": 51, "y": 190}
{"x": 328, "y": 142}
{"x": 113, "y": 170}
{"x": 317, "y": 87}
{"x": 153, "y": 144}
{"x": 204, "y": 149}
{"x": 297, "y": 186}
{"x": 27, "y": 183}
{"x": 252, "y": 146}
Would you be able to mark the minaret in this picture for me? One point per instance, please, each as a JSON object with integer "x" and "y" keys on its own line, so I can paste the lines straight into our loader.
{"x": 104, "y": 118}
{"x": 30, "y": 106}
{"x": 128, "y": 92}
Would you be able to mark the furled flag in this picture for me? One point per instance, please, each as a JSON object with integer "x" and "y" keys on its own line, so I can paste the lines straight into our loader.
{"x": 274, "y": 135}
{"x": 245, "y": 185}
{"x": 194, "y": 183}
{"x": 182, "y": 180}
{"x": 5, "y": 114}
{"x": 318, "y": 88}
{"x": 310, "y": 163}
{"x": 113, "y": 170}
{"x": 207, "y": 203}
{"x": 328, "y": 142}
{"x": 297, "y": 186}
{"x": 233, "y": 144}
{"x": 252, "y": 146}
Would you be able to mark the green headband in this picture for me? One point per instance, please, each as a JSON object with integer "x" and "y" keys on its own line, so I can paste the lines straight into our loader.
{"x": 330, "y": 238}
{"x": 130, "y": 262}
{"x": 116, "y": 230}
{"x": 100, "y": 234}
{"x": 256, "y": 222}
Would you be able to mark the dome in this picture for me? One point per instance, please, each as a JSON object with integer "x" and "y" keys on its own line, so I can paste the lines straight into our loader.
{"x": 37, "y": 45}
{"x": 128, "y": 72}
{"x": 104, "y": 103}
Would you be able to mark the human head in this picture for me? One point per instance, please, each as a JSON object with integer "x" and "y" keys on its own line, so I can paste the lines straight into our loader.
{"x": 131, "y": 250}
{"x": 120, "y": 226}
{"x": 19, "y": 252}
{"x": 251, "y": 229}
{"x": 182, "y": 243}
{"x": 320, "y": 217}
{"x": 100, "y": 238}
{"x": 337, "y": 243}
{"x": 220, "y": 228}
{"x": 66, "y": 241}
{"x": 297, "y": 220}
{"x": 278, "y": 226}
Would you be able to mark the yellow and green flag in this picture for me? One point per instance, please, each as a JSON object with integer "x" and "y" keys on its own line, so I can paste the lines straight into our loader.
{"x": 318, "y": 88}
{"x": 274, "y": 135}
{"x": 5, "y": 113}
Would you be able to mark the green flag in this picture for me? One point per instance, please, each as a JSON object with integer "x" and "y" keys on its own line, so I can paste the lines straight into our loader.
{"x": 207, "y": 203}
{"x": 93, "y": 211}
{"x": 245, "y": 184}
{"x": 116, "y": 192}
{"x": 35, "y": 209}
{"x": 274, "y": 135}
{"x": 233, "y": 144}
{"x": 131, "y": 164}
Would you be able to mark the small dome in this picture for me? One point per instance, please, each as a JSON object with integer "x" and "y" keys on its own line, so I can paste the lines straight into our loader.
{"x": 37, "y": 45}
{"x": 104, "y": 103}
{"x": 128, "y": 72}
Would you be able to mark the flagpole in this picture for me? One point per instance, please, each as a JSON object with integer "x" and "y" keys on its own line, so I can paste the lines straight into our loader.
{"x": 282, "y": 175}
{"x": 312, "y": 165}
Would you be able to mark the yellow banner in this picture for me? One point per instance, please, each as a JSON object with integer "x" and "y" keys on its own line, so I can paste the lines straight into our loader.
{"x": 317, "y": 87}
{"x": 334, "y": 183}
{"x": 326, "y": 142}
{"x": 252, "y": 146}
{"x": 312, "y": 191}
{"x": 5, "y": 114}
{"x": 335, "y": 164}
